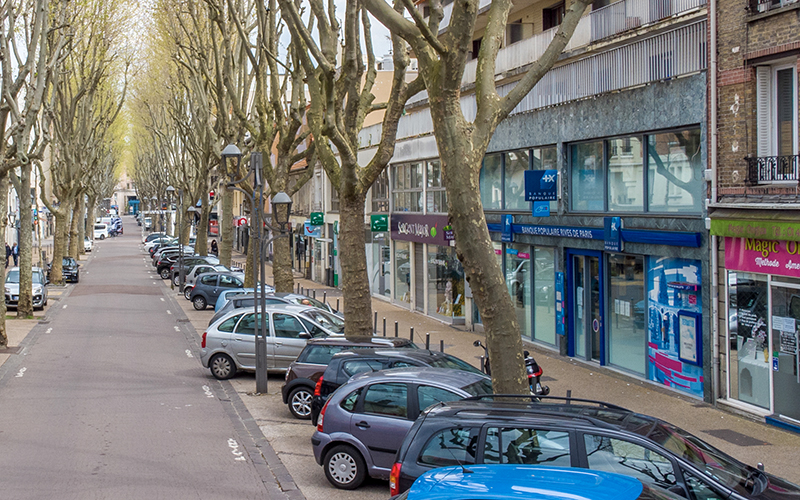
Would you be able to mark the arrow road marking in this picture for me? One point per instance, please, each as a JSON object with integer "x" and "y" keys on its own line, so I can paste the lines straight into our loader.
{"x": 177, "y": 328}
{"x": 48, "y": 330}
{"x": 21, "y": 372}
{"x": 235, "y": 450}
{"x": 208, "y": 392}
{"x": 189, "y": 353}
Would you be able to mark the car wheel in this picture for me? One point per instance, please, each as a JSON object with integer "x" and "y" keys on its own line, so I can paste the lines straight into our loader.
{"x": 187, "y": 292}
{"x": 300, "y": 402}
{"x": 344, "y": 467}
{"x": 102, "y": 236}
{"x": 199, "y": 302}
{"x": 222, "y": 367}
{"x": 176, "y": 280}
{"x": 165, "y": 273}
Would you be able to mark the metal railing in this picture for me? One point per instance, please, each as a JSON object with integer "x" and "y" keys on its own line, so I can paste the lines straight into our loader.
{"x": 766, "y": 169}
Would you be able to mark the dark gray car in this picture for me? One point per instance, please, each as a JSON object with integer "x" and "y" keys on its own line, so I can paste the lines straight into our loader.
{"x": 208, "y": 286}
{"x": 364, "y": 422}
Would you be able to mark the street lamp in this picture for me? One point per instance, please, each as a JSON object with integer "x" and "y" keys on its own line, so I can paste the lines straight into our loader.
{"x": 281, "y": 218}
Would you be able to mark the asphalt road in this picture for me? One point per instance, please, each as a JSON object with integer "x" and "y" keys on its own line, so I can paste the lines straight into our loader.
{"x": 107, "y": 400}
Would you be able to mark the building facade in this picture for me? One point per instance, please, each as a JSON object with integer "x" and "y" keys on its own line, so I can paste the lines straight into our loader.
{"x": 755, "y": 208}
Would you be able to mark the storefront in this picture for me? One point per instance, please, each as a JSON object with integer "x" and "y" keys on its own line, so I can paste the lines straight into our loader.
{"x": 427, "y": 276}
{"x": 762, "y": 276}
{"x": 626, "y": 306}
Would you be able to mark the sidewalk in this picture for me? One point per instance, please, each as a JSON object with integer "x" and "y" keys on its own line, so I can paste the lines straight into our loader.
{"x": 747, "y": 440}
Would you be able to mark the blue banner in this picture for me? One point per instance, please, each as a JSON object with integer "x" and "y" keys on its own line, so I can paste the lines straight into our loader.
{"x": 541, "y": 185}
{"x": 613, "y": 234}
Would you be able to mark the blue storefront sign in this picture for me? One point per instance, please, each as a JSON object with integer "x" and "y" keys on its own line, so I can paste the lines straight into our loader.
{"x": 310, "y": 231}
{"x": 541, "y": 209}
{"x": 613, "y": 234}
{"x": 507, "y": 235}
{"x": 541, "y": 185}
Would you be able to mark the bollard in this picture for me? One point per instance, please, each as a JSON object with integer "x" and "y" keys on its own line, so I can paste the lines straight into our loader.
{"x": 483, "y": 364}
{"x": 412, "y": 335}
{"x": 428, "y": 341}
{"x": 314, "y": 294}
{"x": 395, "y": 329}
{"x": 384, "y": 326}
{"x": 302, "y": 291}
{"x": 324, "y": 297}
{"x": 376, "y": 314}
{"x": 441, "y": 345}
{"x": 297, "y": 288}
{"x": 375, "y": 329}
{"x": 569, "y": 395}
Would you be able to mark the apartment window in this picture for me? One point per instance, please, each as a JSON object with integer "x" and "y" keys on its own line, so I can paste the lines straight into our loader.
{"x": 776, "y": 88}
{"x": 476, "y": 47}
{"x": 553, "y": 16}
{"x": 659, "y": 172}
{"x": 435, "y": 194}
{"x": 515, "y": 32}
{"x": 334, "y": 198}
{"x": 407, "y": 187}
{"x": 515, "y": 165}
{"x": 380, "y": 193}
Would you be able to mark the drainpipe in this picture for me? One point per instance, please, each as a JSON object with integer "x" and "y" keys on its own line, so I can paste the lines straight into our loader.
{"x": 712, "y": 16}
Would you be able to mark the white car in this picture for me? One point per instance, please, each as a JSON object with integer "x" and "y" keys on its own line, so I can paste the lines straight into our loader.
{"x": 100, "y": 231}
{"x": 87, "y": 245}
{"x": 39, "y": 287}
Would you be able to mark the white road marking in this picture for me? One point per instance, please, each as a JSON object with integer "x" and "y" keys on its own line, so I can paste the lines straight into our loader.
{"x": 169, "y": 312}
{"x": 162, "y": 299}
{"x": 177, "y": 328}
{"x": 48, "y": 330}
{"x": 21, "y": 372}
{"x": 189, "y": 353}
{"x": 235, "y": 450}
{"x": 64, "y": 306}
{"x": 154, "y": 282}
{"x": 208, "y": 392}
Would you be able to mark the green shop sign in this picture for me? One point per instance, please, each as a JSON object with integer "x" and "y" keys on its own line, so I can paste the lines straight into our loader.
{"x": 379, "y": 222}
{"x": 317, "y": 218}
{"x": 757, "y": 229}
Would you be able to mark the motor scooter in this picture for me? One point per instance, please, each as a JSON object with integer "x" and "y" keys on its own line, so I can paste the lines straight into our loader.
{"x": 532, "y": 369}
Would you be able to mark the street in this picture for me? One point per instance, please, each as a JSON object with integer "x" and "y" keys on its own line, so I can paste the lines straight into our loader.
{"x": 106, "y": 399}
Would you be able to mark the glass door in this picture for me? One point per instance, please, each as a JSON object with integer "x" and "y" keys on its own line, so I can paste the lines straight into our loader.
{"x": 587, "y": 306}
{"x": 785, "y": 363}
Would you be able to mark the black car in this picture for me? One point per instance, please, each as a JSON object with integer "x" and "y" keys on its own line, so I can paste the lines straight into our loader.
{"x": 568, "y": 432}
{"x": 344, "y": 365}
{"x": 69, "y": 269}
{"x": 306, "y": 370}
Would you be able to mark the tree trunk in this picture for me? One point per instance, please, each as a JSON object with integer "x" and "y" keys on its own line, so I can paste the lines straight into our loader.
{"x": 25, "y": 304}
{"x": 81, "y": 224}
{"x": 201, "y": 244}
{"x": 225, "y": 225}
{"x": 282, "y": 265}
{"x": 59, "y": 245}
{"x": 3, "y": 225}
{"x": 73, "y": 228}
{"x": 485, "y": 277}
{"x": 355, "y": 279}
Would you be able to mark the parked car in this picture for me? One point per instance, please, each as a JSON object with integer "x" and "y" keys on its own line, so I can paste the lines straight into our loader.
{"x": 148, "y": 223}
{"x": 228, "y": 346}
{"x": 501, "y": 482}
{"x": 168, "y": 260}
{"x": 305, "y": 372}
{"x": 159, "y": 241}
{"x": 190, "y": 264}
{"x": 39, "y": 285}
{"x": 363, "y": 423}
{"x": 346, "y": 364}
{"x": 226, "y": 295}
{"x": 150, "y": 237}
{"x": 69, "y": 269}
{"x": 208, "y": 286}
{"x": 191, "y": 275}
{"x": 88, "y": 245}
{"x": 578, "y": 433}
{"x": 274, "y": 298}
{"x": 100, "y": 231}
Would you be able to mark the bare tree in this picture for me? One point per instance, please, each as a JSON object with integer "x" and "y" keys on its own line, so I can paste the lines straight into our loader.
{"x": 341, "y": 98}
{"x": 462, "y": 145}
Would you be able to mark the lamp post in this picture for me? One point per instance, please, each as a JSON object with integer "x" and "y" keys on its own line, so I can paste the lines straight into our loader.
{"x": 12, "y": 220}
{"x": 280, "y": 218}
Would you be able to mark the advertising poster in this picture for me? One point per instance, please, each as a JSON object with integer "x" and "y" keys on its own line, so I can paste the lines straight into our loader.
{"x": 673, "y": 296}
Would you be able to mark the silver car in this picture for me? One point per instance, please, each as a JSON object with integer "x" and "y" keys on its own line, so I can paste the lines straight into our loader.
{"x": 229, "y": 345}
{"x": 39, "y": 287}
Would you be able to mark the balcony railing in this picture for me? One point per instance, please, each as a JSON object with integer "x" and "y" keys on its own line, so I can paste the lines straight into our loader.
{"x": 760, "y": 6}
{"x": 767, "y": 169}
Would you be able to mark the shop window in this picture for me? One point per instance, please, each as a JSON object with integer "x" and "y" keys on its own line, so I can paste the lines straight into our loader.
{"x": 515, "y": 165}
{"x": 544, "y": 296}
{"x": 749, "y": 358}
{"x": 492, "y": 182}
{"x": 402, "y": 271}
{"x": 626, "y": 331}
{"x": 445, "y": 282}
{"x": 435, "y": 194}
{"x": 407, "y": 182}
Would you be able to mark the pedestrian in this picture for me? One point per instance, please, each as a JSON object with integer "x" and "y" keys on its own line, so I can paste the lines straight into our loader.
{"x": 8, "y": 254}
{"x": 214, "y": 248}
{"x": 15, "y": 254}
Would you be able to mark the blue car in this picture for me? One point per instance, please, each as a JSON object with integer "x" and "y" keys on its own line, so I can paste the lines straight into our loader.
{"x": 224, "y": 297}
{"x": 496, "y": 482}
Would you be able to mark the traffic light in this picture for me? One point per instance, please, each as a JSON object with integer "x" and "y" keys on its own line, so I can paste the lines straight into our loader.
{"x": 211, "y": 196}
{"x": 35, "y": 216}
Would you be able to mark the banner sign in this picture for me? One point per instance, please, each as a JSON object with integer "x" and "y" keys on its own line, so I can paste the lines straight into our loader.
{"x": 612, "y": 234}
{"x": 434, "y": 229}
{"x": 541, "y": 185}
{"x": 763, "y": 256}
{"x": 760, "y": 229}
{"x": 311, "y": 231}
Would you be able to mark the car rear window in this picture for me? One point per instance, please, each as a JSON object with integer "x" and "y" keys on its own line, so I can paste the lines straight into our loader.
{"x": 350, "y": 368}
{"x": 450, "y": 447}
{"x": 319, "y": 354}
{"x": 479, "y": 388}
{"x": 455, "y": 363}
{"x": 228, "y": 324}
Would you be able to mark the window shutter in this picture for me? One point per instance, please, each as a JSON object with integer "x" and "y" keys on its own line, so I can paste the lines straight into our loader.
{"x": 764, "y": 126}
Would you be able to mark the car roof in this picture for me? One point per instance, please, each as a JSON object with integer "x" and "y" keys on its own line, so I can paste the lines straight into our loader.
{"x": 292, "y": 308}
{"x": 361, "y": 340}
{"x": 421, "y": 355}
{"x": 446, "y": 376}
{"x": 500, "y": 481}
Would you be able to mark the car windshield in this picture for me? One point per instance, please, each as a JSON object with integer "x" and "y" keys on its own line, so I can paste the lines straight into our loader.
{"x": 455, "y": 363}
{"x": 480, "y": 388}
{"x": 328, "y": 321}
{"x": 36, "y": 278}
{"x": 702, "y": 455}
{"x": 13, "y": 276}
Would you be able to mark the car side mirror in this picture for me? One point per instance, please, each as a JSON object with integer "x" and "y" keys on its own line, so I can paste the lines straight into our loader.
{"x": 305, "y": 335}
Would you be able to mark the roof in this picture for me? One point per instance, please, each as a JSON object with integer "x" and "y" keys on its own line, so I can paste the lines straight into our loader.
{"x": 362, "y": 341}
